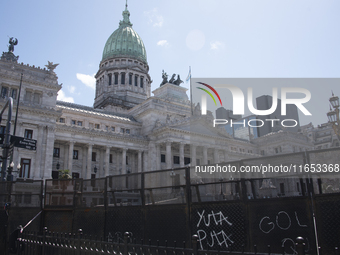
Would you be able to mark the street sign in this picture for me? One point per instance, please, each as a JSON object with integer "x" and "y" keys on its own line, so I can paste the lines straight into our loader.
{"x": 25, "y": 143}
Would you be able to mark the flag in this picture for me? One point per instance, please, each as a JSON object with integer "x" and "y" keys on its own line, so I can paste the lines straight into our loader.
{"x": 189, "y": 75}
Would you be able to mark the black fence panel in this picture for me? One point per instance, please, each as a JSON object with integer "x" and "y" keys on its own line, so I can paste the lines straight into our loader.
{"x": 167, "y": 222}
{"x": 58, "y": 220}
{"x": 219, "y": 225}
{"x": 328, "y": 222}
{"x": 278, "y": 222}
{"x": 124, "y": 219}
{"x": 90, "y": 220}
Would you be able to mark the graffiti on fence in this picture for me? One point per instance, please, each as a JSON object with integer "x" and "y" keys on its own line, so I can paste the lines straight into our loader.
{"x": 118, "y": 237}
{"x": 206, "y": 232}
{"x": 282, "y": 222}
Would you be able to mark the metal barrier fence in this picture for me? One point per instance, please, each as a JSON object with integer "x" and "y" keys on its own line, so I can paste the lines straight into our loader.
{"x": 71, "y": 244}
{"x": 226, "y": 212}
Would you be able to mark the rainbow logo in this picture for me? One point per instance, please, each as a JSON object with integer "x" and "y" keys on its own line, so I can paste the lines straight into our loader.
{"x": 213, "y": 90}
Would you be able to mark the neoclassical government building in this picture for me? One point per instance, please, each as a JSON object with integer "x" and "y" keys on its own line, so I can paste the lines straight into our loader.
{"x": 129, "y": 128}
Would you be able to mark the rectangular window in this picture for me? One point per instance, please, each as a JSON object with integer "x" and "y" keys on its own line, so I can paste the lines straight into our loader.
{"x": 130, "y": 79}
{"x": 97, "y": 126}
{"x": 282, "y": 188}
{"x": 162, "y": 158}
{"x": 62, "y": 120}
{"x": 116, "y": 78}
{"x": 176, "y": 159}
{"x": 75, "y": 175}
{"x": 28, "y": 96}
{"x": 136, "y": 80}
{"x": 56, "y": 152}
{"x": 122, "y": 78}
{"x": 73, "y": 122}
{"x": 113, "y": 129}
{"x": 94, "y": 156}
{"x": 187, "y": 161}
{"x": 90, "y": 125}
{"x": 14, "y": 93}
{"x": 127, "y": 131}
{"x": 127, "y": 160}
{"x": 80, "y": 123}
{"x": 122, "y": 130}
{"x": 25, "y": 168}
{"x": 36, "y": 98}
{"x": 110, "y": 159}
{"x": 110, "y": 79}
{"x": 28, "y": 133}
{"x": 4, "y": 91}
{"x": 75, "y": 154}
{"x": 107, "y": 128}
{"x": 141, "y": 82}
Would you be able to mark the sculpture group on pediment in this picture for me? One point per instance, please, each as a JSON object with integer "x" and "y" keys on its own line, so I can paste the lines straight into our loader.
{"x": 173, "y": 81}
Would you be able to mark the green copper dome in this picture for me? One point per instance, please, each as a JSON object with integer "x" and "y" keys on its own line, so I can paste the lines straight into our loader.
{"x": 125, "y": 42}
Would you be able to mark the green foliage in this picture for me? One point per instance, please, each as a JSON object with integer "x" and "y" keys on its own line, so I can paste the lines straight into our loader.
{"x": 64, "y": 174}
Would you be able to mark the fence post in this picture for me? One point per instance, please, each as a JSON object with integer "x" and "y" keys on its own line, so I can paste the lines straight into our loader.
{"x": 126, "y": 237}
{"x": 80, "y": 233}
{"x": 44, "y": 240}
{"x": 194, "y": 244}
{"x": 300, "y": 245}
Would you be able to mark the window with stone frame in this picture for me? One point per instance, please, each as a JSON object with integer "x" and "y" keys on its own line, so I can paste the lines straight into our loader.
{"x": 110, "y": 78}
{"x": 94, "y": 156}
{"x": 2, "y": 130}
{"x": 28, "y": 133}
{"x": 62, "y": 120}
{"x": 75, "y": 154}
{"x": 141, "y": 82}
{"x": 110, "y": 158}
{"x": 162, "y": 158}
{"x": 130, "y": 78}
{"x": 28, "y": 96}
{"x": 176, "y": 159}
{"x": 122, "y": 78}
{"x": 73, "y": 122}
{"x": 14, "y": 93}
{"x": 127, "y": 131}
{"x": 113, "y": 129}
{"x": 122, "y": 130}
{"x": 136, "y": 80}
{"x": 116, "y": 78}
{"x": 36, "y": 98}
{"x": 4, "y": 92}
{"x": 56, "y": 152}
{"x": 97, "y": 126}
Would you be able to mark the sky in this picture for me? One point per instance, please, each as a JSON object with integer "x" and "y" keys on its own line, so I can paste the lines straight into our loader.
{"x": 217, "y": 38}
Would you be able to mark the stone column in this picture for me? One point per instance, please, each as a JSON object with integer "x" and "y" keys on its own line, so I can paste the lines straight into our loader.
{"x": 181, "y": 154}
{"x": 158, "y": 156}
{"x": 193, "y": 155}
{"x": 124, "y": 161}
{"x": 117, "y": 162}
{"x": 152, "y": 163}
{"x": 139, "y": 163}
{"x": 70, "y": 155}
{"x": 225, "y": 156}
{"x": 107, "y": 161}
{"x": 216, "y": 156}
{"x": 145, "y": 161}
{"x": 84, "y": 153}
{"x": 89, "y": 161}
{"x": 46, "y": 172}
{"x": 205, "y": 155}
{"x": 40, "y": 150}
{"x": 168, "y": 155}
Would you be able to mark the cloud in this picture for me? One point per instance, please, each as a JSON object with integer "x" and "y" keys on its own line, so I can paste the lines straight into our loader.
{"x": 71, "y": 89}
{"x": 162, "y": 43}
{"x": 154, "y": 17}
{"x": 217, "y": 45}
{"x": 88, "y": 80}
{"x": 62, "y": 97}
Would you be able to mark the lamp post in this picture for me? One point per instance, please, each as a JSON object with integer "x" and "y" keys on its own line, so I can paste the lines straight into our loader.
{"x": 95, "y": 169}
{"x": 10, "y": 170}
{"x": 333, "y": 115}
